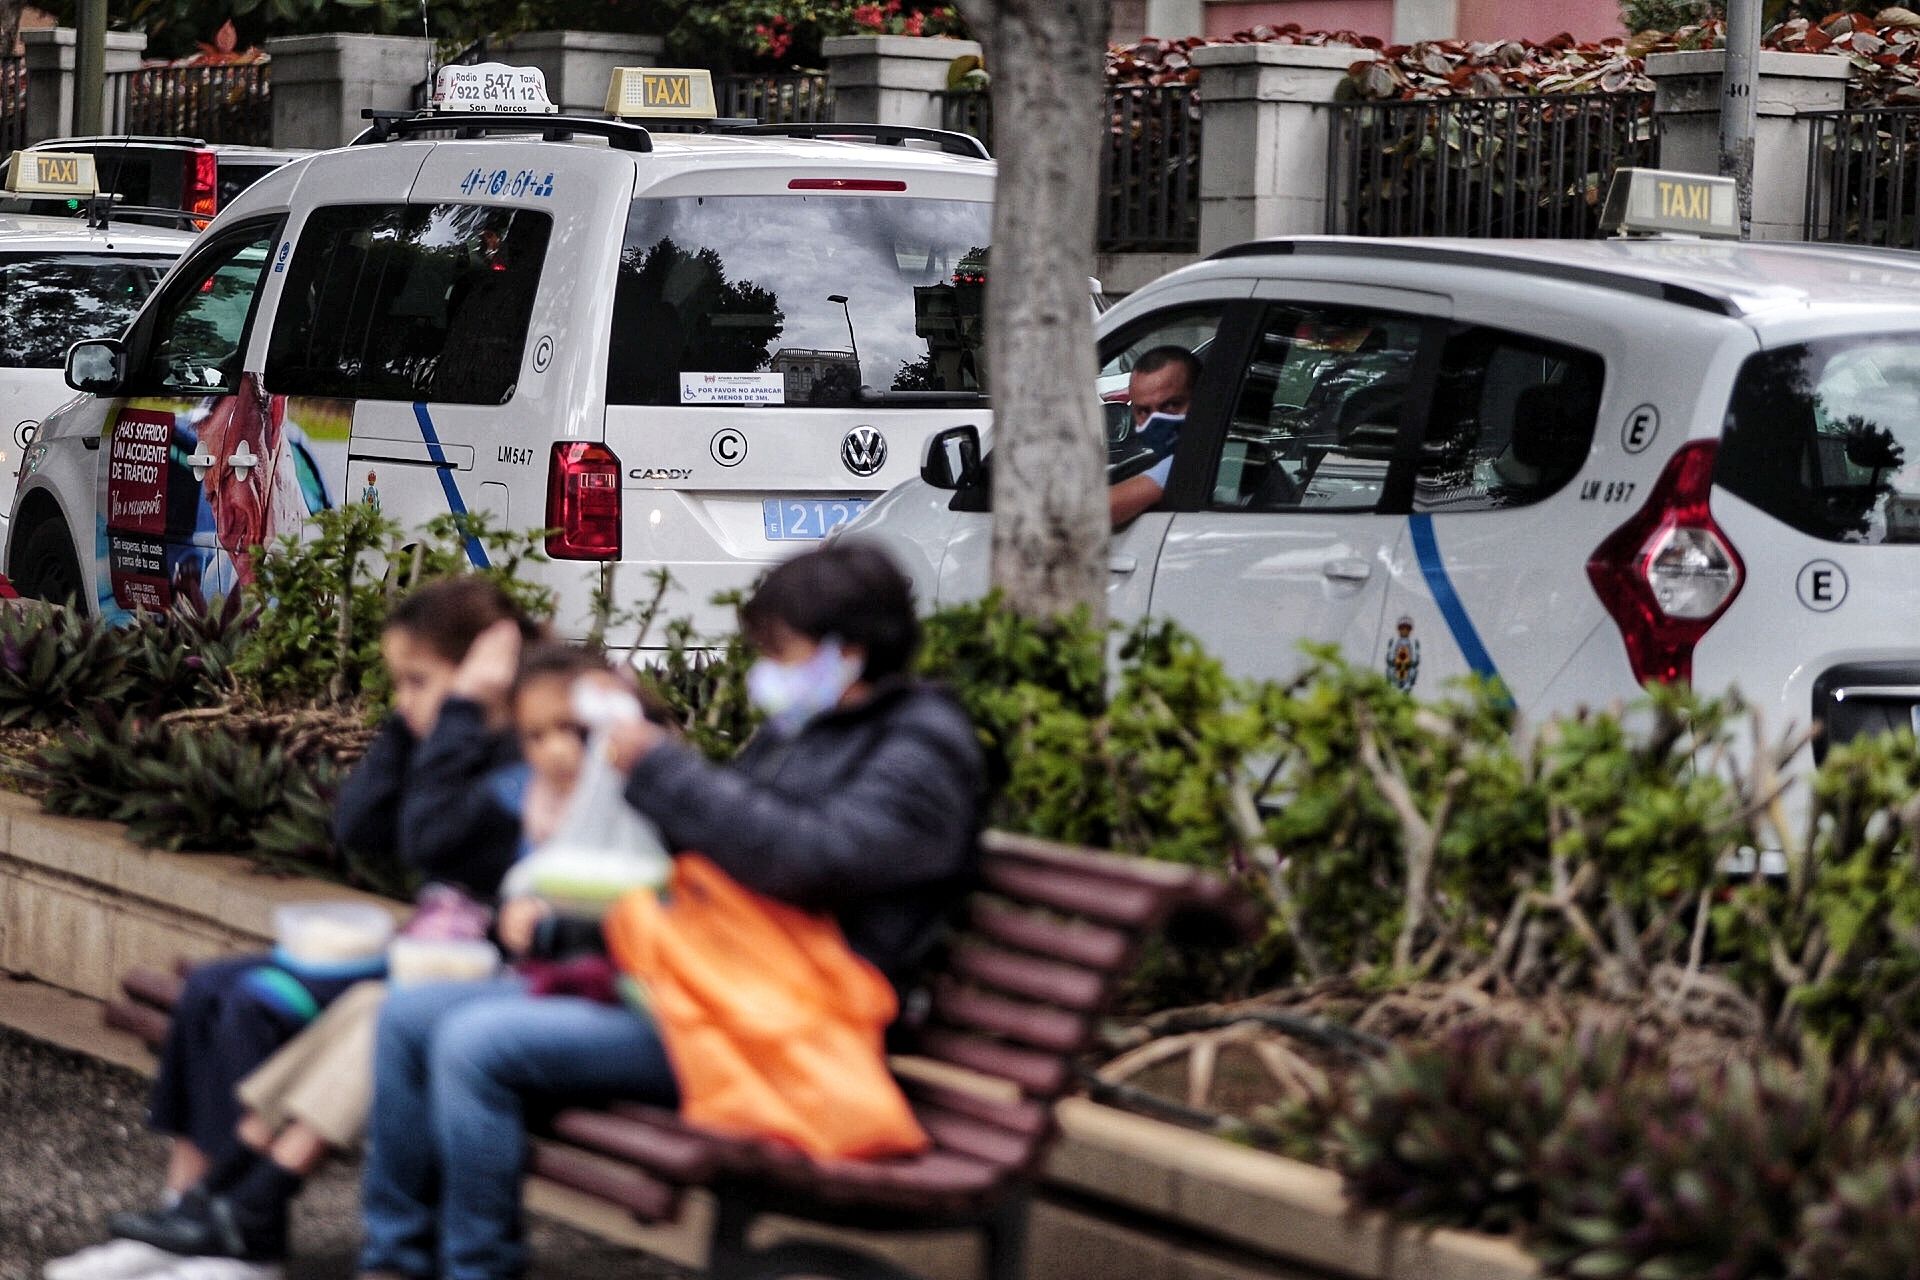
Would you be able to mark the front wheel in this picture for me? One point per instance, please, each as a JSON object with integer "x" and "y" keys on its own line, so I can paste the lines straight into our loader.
{"x": 45, "y": 567}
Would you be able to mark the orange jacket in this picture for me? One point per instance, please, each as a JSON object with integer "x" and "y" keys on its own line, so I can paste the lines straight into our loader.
{"x": 774, "y": 1026}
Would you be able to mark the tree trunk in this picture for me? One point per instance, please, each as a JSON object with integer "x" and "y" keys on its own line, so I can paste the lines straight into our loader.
{"x": 1049, "y": 467}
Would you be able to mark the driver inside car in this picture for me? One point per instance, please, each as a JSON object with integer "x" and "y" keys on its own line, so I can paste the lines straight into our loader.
{"x": 1159, "y": 393}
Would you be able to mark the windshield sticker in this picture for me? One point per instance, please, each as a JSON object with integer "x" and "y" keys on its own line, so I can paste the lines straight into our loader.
{"x": 733, "y": 388}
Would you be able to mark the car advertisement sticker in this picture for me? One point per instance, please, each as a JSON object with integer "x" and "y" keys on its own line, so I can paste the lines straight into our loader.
{"x": 136, "y": 507}
{"x": 193, "y": 487}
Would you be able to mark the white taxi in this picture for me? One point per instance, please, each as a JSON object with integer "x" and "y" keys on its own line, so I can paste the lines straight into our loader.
{"x": 61, "y": 280}
{"x": 1571, "y": 466}
{"x": 693, "y": 350}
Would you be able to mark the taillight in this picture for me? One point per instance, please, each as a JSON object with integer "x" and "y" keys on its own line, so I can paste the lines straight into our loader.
{"x": 583, "y": 502}
{"x": 1667, "y": 574}
{"x": 201, "y": 184}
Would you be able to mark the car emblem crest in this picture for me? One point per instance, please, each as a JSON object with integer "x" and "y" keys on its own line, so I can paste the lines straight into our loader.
{"x": 864, "y": 450}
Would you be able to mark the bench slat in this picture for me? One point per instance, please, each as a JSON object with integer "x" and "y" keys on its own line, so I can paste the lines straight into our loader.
{"x": 647, "y": 1198}
{"x": 1037, "y": 1026}
{"x": 1091, "y": 945}
{"x": 970, "y": 1137}
{"x": 679, "y": 1157}
{"x": 1029, "y": 1120}
{"x": 1040, "y": 1074}
{"x": 1022, "y": 975}
{"x": 149, "y": 1024}
{"x": 151, "y": 987}
{"x": 1109, "y": 901}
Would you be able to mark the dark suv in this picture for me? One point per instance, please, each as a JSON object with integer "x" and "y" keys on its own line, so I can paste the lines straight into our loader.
{"x": 174, "y": 173}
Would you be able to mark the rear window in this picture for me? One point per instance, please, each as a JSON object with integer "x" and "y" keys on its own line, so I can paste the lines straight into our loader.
{"x": 408, "y": 302}
{"x": 237, "y": 175}
{"x": 798, "y": 300}
{"x": 48, "y": 303}
{"x": 1825, "y": 437}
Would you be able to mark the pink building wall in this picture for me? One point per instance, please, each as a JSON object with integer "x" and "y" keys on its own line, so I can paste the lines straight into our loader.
{"x": 1368, "y": 17}
{"x": 1539, "y": 19}
{"x": 1477, "y": 19}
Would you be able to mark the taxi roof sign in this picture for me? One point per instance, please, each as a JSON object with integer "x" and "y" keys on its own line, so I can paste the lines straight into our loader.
{"x": 493, "y": 88}
{"x": 669, "y": 92}
{"x": 52, "y": 173}
{"x": 1654, "y": 201}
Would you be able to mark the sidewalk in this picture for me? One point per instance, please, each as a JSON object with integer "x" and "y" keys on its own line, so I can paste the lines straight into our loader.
{"x": 75, "y": 1149}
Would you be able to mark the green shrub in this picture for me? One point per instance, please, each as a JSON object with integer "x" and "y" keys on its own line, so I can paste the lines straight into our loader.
{"x": 323, "y": 597}
{"x": 1451, "y": 1133}
{"x": 55, "y": 662}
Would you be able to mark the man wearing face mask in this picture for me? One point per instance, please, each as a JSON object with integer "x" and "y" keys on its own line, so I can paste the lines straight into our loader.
{"x": 1159, "y": 393}
{"x": 859, "y": 798}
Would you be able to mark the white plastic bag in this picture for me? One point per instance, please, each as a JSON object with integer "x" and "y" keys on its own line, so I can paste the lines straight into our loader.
{"x": 603, "y": 846}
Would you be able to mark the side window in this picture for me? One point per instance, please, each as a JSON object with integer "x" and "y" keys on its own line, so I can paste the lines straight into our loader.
{"x": 1130, "y": 450}
{"x": 1317, "y": 415}
{"x": 408, "y": 302}
{"x": 200, "y": 330}
{"x": 1512, "y": 421}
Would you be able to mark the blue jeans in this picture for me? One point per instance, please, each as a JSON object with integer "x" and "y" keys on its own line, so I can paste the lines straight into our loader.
{"x": 446, "y": 1144}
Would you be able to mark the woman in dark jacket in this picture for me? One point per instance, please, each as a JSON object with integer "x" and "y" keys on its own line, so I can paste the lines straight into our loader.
{"x": 860, "y": 797}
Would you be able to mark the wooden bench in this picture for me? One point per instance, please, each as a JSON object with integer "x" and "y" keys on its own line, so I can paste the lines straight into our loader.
{"x": 1046, "y": 941}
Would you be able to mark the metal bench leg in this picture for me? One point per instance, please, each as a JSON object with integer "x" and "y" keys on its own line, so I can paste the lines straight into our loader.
{"x": 1005, "y": 1233}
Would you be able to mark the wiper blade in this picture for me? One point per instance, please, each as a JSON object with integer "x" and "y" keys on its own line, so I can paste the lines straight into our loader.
{"x": 959, "y": 399}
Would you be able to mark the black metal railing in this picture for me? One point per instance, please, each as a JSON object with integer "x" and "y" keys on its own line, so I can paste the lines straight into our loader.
{"x": 1149, "y": 170}
{"x": 968, "y": 111}
{"x": 1863, "y": 176}
{"x": 230, "y": 103}
{"x": 13, "y": 105}
{"x": 804, "y": 97}
{"x": 1535, "y": 166}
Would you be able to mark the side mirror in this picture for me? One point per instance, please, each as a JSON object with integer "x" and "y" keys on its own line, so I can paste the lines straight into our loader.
{"x": 952, "y": 459}
{"x": 98, "y": 366}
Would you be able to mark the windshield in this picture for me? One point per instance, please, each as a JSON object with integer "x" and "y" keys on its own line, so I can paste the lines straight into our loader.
{"x": 798, "y": 300}
{"x": 49, "y": 302}
{"x": 1825, "y": 436}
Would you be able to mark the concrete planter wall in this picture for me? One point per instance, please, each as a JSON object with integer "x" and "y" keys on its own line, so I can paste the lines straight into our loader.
{"x": 1123, "y": 1196}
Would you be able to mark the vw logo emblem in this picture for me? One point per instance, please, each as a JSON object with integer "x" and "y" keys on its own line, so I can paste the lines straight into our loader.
{"x": 864, "y": 450}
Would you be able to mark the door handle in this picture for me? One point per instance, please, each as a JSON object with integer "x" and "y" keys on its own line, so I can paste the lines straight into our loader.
{"x": 1123, "y": 564}
{"x": 243, "y": 459}
{"x": 1348, "y": 570}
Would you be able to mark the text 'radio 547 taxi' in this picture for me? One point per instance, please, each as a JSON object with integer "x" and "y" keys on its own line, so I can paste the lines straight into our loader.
{"x": 693, "y": 346}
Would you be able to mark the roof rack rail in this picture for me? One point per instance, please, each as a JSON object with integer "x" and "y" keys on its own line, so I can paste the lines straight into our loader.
{"x": 954, "y": 144}
{"x": 388, "y": 125}
{"x": 1696, "y": 297}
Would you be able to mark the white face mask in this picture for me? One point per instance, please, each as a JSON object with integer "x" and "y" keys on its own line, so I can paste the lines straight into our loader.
{"x": 791, "y": 694}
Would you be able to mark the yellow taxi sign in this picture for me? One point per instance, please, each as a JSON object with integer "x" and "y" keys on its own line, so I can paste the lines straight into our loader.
{"x": 678, "y": 93}
{"x": 52, "y": 173}
{"x": 1651, "y": 201}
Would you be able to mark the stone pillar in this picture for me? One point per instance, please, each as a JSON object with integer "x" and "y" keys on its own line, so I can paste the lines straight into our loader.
{"x": 891, "y": 79}
{"x": 321, "y": 84}
{"x": 578, "y": 65}
{"x": 49, "y": 61}
{"x": 126, "y": 50}
{"x": 1263, "y": 167}
{"x": 1687, "y": 103}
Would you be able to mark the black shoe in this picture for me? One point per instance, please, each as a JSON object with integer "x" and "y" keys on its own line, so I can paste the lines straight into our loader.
{"x": 200, "y": 1226}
